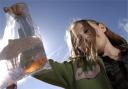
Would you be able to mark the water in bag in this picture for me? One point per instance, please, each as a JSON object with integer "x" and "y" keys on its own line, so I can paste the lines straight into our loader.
{"x": 21, "y": 48}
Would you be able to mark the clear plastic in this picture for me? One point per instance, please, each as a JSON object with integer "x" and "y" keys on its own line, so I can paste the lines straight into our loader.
{"x": 21, "y": 48}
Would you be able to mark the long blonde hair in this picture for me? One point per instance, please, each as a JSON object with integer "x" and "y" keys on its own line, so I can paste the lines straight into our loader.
{"x": 88, "y": 51}
{"x": 82, "y": 47}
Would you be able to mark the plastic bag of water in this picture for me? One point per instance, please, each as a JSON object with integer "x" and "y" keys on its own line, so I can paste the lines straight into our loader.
{"x": 21, "y": 48}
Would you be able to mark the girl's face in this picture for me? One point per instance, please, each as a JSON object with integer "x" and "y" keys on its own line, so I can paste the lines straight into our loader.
{"x": 89, "y": 35}
{"x": 101, "y": 38}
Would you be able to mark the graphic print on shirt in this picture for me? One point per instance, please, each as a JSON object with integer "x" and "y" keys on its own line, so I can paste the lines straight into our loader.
{"x": 80, "y": 74}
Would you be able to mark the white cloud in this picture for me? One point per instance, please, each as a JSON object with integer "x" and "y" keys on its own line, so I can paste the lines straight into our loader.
{"x": 124, "y": 26}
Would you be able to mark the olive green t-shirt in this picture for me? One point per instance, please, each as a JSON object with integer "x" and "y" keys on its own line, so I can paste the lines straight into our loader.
{"x": 64, "y": 75}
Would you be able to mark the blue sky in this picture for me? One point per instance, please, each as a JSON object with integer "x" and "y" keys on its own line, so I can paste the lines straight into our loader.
{"x": 53, "y": 18}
